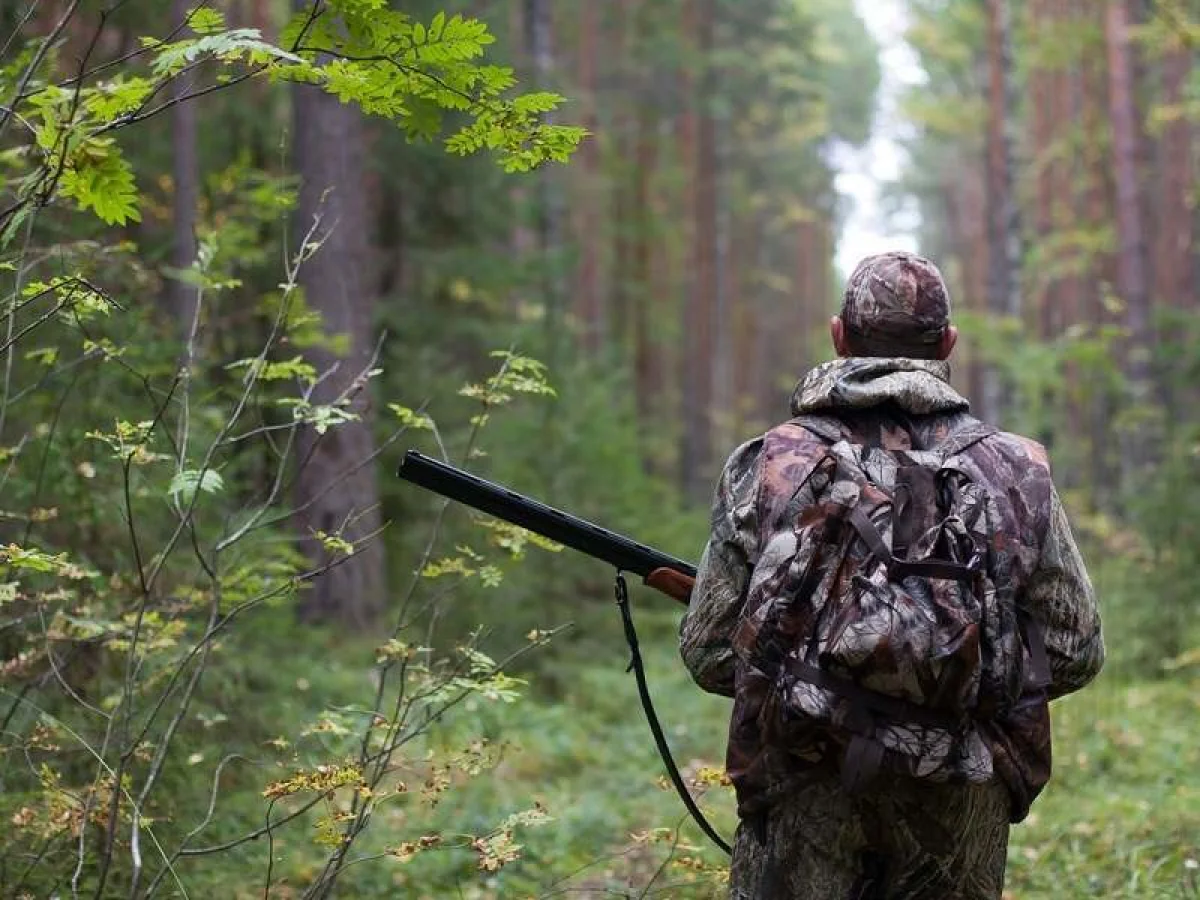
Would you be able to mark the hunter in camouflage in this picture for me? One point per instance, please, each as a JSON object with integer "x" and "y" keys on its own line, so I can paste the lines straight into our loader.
{"x": 802, "y": 835}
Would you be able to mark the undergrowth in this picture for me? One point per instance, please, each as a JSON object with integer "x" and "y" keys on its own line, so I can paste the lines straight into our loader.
{"x": 1121, "y": 817}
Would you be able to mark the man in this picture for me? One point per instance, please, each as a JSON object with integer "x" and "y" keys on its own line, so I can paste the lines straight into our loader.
{"x": 803, "y": 833}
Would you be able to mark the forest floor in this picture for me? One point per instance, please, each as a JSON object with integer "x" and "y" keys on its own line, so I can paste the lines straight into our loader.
{"x": 1120, "y": 819}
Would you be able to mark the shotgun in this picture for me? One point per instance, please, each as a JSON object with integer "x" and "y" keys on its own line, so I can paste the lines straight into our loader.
{"x": 663, "y": 572}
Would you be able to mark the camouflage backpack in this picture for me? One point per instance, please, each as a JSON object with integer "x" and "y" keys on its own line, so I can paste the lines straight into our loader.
{"x": 871, "y": 623}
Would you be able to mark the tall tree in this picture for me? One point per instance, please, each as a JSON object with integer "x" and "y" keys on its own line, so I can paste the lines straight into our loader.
{"x": 336, "y": 487}
{"x": 1174, "y": 271}
{"x": 185, "y": 174}
{"x": 1003, "y": 216}
{"x": 588, "y": 307}
{"x": 1042, "y": 80}
{"x": 700, "y": 302}
{"x": 1132, "y": 281}
{"x": 539, "y": 43}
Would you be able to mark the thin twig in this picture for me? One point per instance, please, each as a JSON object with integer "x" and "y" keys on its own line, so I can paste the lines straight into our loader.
{"x": 253, "y": 835}
{"x": 270, "y": 851}
{"x": 37, "y": 60}
{"x": 125, "y": 703}
{"x": 28, "y": 14}
{"x": 103, "y": 765}
{"x": 208, "y": 817}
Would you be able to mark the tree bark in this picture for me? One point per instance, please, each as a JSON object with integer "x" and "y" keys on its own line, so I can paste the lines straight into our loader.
{"x": 647, "y": 345}
{"x": 700, "y": 302}
{"x": 1003, "y": 216}
{"x": 1175, "y": 277}
{"x": 716, "y": 141}
{"x": 539, "y": 41}
{"x": 336, "y": 488}
{"x": 624, "y": 122}
{"x": 1045, "y": 149}
{"x": 521, "y": 235}
{"x": 588, "y": 308}
{"x": 181, "y": 298}
{"x": 1132, "y": 283}
{"x": 971, "y": 206}
{"x": 1090, "y": 95}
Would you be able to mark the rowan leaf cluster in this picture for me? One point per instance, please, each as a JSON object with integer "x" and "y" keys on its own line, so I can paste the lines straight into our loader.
{"x": 424, "y": 77}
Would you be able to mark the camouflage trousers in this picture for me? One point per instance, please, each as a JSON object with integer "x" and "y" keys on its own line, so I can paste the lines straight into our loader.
{"x": 900, "y": 840}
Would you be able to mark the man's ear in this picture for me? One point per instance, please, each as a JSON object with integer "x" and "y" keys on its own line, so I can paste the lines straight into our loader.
{"x": 837, "y": 331}
{"x": 949, "y": 339}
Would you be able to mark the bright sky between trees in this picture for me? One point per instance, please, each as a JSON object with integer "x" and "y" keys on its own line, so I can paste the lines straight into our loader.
{"x": 869, "y": 227}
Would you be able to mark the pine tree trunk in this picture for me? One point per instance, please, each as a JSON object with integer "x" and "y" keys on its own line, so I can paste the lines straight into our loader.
{"x": 1063, "y": 109}
{"x": 587, "y": 300}
{"x": 1042, "y": 99}
{"x": 521, "y": 237}
{"x": 700, "y": 302}
{"x": 645, "y": 341}
{"x": 1131, "y": 243}
{"x": 1003, "y": 217}
{"x": 1174, "y": 273}
{"x": 336, "y": 488}
{"x": 539, "y": 39}
{"x": 621, "y": 135}
{"x": 1070, "y": 180}
{"x": 970, "y": 191}
{"x": 185, "y": 173}
{"x": 1132, "y": 281}
{"x": 1097, "y": 212}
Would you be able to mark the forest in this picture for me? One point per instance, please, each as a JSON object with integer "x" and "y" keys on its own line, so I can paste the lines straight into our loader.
{"x": 251, "y": 251}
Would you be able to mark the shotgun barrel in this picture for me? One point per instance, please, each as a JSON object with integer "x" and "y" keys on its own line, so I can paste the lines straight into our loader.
{"x": 571, "y": 531}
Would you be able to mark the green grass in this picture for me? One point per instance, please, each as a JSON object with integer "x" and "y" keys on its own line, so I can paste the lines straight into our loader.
{"x": 1121, "y": 816}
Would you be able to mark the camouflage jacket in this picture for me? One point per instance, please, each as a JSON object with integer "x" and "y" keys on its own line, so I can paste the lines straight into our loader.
{"x": 898, "y": 404}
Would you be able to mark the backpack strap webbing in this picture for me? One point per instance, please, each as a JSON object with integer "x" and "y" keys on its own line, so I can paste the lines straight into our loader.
{"x": 863, "y": 756}
{"x": 902, "y": 568}
{"x": 893, "y": 708}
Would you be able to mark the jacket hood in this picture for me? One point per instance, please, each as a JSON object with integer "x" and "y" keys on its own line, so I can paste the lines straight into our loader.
{"x": 918, "y": 386}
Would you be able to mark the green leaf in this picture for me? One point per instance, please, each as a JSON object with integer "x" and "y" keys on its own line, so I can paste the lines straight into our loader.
{"x": 410, "y": 418}
{"x": 335, "y": 543}
{"x": 101, "y": 179}
{"x": 205, "y": 20}
{"x": 239, "y": 43}
{"x": 321, "y": 417}
{"x": 47, "y": 356}
{"x": 29, "y": 558}
{"x": 115, "y": 98}
{"x": 296, "y": 367}
{"x": 184, "y": 484}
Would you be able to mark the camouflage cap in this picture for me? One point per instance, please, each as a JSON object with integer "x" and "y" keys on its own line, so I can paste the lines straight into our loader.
{"x": 896, "y": 302}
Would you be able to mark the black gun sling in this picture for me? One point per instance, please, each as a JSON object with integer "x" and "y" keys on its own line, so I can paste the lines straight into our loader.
{"x": 660, "y": 740}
